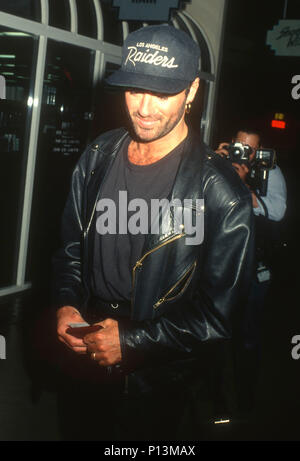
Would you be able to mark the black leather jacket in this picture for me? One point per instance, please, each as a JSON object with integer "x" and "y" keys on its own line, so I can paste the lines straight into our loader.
{"x": 183, "y": 296}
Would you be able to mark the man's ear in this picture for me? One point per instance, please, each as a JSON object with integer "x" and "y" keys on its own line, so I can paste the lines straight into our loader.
{"x": 193, "y": 90}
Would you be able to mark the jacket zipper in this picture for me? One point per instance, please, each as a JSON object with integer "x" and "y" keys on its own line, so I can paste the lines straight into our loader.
{"x": 139, "y": 263}
{"x": 165, "y": 297}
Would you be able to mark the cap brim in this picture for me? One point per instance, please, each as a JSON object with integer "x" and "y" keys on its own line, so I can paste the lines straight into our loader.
{"x": 147, "y": 82}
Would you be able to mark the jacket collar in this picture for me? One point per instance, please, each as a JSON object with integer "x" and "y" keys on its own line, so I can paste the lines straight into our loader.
{"x": 106, "y": 156}
{"x": 187, "y": 183}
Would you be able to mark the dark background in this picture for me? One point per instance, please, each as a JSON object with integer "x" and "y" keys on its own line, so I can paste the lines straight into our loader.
{"x": 254, "y": 84}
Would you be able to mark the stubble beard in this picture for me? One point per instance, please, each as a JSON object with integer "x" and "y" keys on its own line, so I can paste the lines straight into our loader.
{"x": 152, "y": 134}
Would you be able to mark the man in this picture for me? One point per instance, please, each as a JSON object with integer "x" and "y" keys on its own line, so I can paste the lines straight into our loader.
{"x": 273, "y": 205}
{"x": 160, "y": 296}
{"x": 268, "y": 209}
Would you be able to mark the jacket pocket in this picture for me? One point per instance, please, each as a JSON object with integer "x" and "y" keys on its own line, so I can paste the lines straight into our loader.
{"x": 177, "y": 290}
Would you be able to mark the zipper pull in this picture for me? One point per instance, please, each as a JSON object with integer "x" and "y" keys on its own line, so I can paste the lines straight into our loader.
{"x": 138, "y": 264}
{"x": 159, "y": 302}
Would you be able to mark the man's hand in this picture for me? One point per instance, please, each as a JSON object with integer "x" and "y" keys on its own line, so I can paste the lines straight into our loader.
{"x": 105, "y": 343}
{"x": 242, "y": 170}
{"x": 254, "y": 200}
{"x": 221, "y": 149}
{"x": 66, "y": 315}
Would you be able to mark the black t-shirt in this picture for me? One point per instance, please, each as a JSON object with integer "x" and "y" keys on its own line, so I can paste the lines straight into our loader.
{"x": 115, "y": 254}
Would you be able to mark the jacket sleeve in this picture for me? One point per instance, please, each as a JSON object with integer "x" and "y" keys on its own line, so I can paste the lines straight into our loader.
{"x": 275, "y": 200}
{"x": 67, "y": 266}
{"x": 209, "y": 315}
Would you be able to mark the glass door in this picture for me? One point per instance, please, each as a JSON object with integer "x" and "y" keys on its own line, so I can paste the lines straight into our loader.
{"x": 17, "y": 66}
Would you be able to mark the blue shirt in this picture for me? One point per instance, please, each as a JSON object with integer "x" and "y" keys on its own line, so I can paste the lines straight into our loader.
{"x": 275, "y": 200}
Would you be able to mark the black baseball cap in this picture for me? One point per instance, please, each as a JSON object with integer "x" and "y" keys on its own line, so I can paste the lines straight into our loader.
{"x": 157, "y": 58}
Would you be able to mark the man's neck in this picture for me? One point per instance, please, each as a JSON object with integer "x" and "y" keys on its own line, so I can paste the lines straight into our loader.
{"x": 145, "y": 153}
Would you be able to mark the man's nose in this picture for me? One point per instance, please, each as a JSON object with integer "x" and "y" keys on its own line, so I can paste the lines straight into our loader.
{"x": 146, "y": 105}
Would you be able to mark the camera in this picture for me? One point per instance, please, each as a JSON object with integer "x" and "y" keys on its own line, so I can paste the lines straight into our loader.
{"x": 259, "y": 167}
{"x": 265, "y": 158}
{"x": 239, "y": 153}
{"x": 258, "y": 175}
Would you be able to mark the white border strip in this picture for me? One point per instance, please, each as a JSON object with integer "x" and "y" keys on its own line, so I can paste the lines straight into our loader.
{"x": 97, "y": 67}
{"x": 186, "y": 22}
{"x": 45, "y": 12}
{"x": 36, "y": 28}
{"x": 14, "y": 289}
{"x": 205, "y": 124}
{"x": 74, "y": 16}
{"x": 125, "y": 28}
{"x": 175, "y": 23}
{"x": 99, "y": 18}
{"x": 211, "y": 55}
{"x": 31, "y": 160}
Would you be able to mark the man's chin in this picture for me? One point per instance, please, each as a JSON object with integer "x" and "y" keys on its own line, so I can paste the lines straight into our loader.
{"x": 145, "y": 135}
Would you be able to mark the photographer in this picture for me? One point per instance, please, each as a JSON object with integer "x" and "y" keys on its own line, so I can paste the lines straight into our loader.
{"x": 273, "y": 205}
{"x": 268, "y": 190}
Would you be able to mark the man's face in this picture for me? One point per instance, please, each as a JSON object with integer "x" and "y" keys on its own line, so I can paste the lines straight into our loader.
{"x": 251, "y": 139}
{"x": 154, "y": 115}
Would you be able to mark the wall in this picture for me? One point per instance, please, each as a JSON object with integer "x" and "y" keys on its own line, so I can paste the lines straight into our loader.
{"x": 209, "y": 14}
